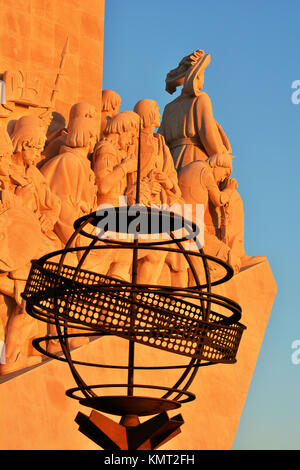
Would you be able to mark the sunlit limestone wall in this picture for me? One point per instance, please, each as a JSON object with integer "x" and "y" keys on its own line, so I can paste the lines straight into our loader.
{"x": 32, "y": 37}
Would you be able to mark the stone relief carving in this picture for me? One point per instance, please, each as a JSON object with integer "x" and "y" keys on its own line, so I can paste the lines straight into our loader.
{"x": 188, "y": 124}
{"x": 159, "y": 186}
{"x": 193, "y": 136}
{"x": 115, "y": 157}
{"x": 31, "y": 211}
{"x": 48, "y": 179}
{"x": 111, "y": 103}
{"x": 58, "y": 137}
{"x": 199, "y": 182}
{"x": 24, "y": 87}
{"x": 114, "y": 160}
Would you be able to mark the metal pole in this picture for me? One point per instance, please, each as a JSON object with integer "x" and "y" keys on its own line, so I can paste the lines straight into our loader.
{"x": 134, "y": 277}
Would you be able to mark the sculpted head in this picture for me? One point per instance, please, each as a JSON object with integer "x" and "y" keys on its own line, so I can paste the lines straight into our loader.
{"x": 82, "y": 110}
{"x": 198, "y": 81}
{"x": 189, "y": 73}
{"x": 111, "y": 102}
{"x": 32, "y": 121}
{"x": 149, "y": 113}
{"x": 221, "y": 165}
{"x": 123, "y": 129}
{"x": 82, "y": 133}
{"x": 28, "y": 139}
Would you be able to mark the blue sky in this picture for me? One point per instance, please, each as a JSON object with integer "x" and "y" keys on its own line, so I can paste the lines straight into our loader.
{"x": 255, "y": 58}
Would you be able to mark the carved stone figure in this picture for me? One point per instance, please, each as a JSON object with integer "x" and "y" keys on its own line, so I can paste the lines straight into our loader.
{"x": 159, "y": 185}
{"x": 70, "y": 177}
{"x": 115, "y": 158}
{"x": 157, "y": 168}
{"x": 32, "y": 212}
{"x": 58, "y": 138}
{"x": 16, "y": 250}
{"x": 229, "y": 223}
{"x": 31, "y": 187}
{"x": 6, "y": 285}
{"x": 188, "y": 124}
{"x": 72, "y": 180}
{"x": 111, "y": 103}
{"x": 199, "y": 183}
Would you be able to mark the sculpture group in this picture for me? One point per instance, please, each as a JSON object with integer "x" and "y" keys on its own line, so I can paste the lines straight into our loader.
{"x": 49, "y": 180}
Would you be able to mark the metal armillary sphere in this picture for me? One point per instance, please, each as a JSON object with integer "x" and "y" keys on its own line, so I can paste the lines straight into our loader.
{"x": 179, "y": 320}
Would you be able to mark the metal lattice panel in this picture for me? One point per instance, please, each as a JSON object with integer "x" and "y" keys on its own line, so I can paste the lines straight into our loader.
{"x": 100, "y": 303}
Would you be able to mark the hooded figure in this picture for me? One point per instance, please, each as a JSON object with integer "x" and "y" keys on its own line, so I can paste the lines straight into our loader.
{"x": 188, "y": 125}
{"x": 57, "y": 139}
{"x": 111, "y": 103}
{"x": 71, "y": 178}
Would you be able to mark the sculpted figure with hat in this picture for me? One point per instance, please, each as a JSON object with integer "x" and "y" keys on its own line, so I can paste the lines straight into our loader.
{"x": 188, "y": 124}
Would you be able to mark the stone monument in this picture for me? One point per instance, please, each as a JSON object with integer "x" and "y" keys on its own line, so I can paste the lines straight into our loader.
{"x": 53, "y": 176}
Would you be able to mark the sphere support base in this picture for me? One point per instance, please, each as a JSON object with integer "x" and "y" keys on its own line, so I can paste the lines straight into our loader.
{"x": 109, "y": 435}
